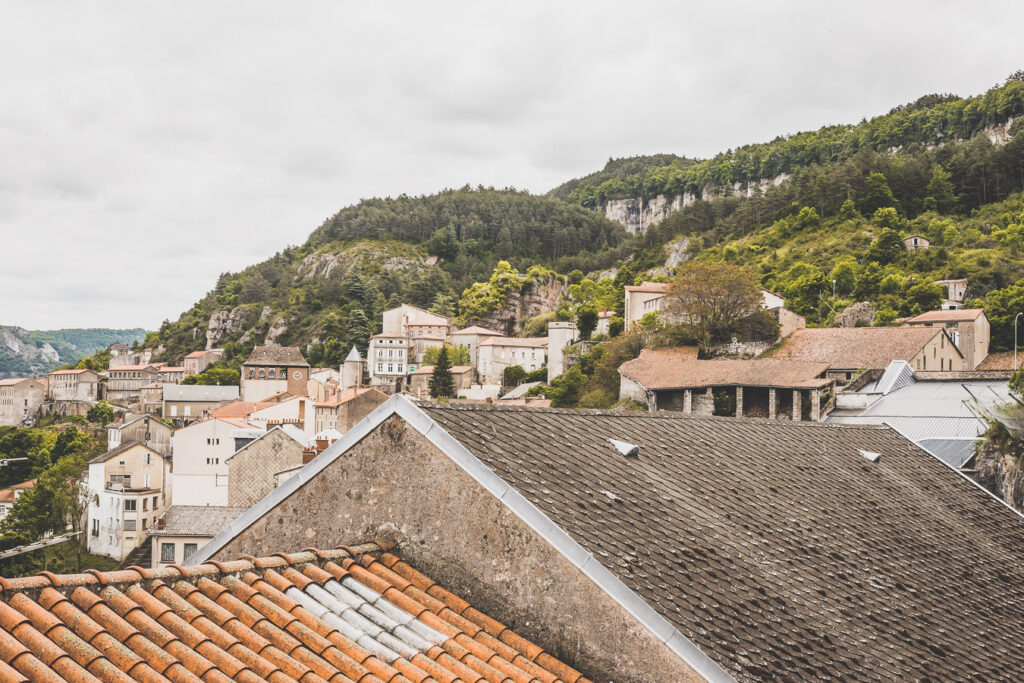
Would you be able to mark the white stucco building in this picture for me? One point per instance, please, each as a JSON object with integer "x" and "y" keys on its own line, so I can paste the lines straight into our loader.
{"x": 201, "y": 452}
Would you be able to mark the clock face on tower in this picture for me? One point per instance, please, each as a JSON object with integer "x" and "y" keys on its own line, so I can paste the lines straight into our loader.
{"x": 296, "y": 375}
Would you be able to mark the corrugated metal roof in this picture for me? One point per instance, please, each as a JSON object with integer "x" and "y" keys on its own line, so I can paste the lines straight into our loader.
{"x": 897, "y": 375}
{"x": 954, "y": 452}
{"x": 199, "y": 392}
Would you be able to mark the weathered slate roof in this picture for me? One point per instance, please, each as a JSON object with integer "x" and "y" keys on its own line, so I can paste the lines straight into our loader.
{"x": 852, "y": 348}
{"x": 196, "y": 520}
{"x": 777, "y": 547}
{"x": 277, "y": 355}
{"x": 953, "y": 315}
{"x": 200, "y": 392}
{"x": 358, "y": 614}
{"x": 661, "y": 369}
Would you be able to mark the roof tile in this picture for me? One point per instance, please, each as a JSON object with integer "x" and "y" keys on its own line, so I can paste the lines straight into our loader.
{"x": 211, "y": 625}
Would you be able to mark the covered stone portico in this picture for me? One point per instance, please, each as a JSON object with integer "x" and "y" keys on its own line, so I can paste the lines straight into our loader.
{"x": 764, "y": 388}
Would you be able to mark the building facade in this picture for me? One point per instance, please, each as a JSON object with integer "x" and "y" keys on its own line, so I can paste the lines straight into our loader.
{"x": 968, "y": 327}
{"x": 498, "y": 353}
{"x": 73, "y": 385}
{"x": 20, "y": 400}
{"x": 388, "y": 360}
{"x": 201, "y": 452}
{"x": 346, "y": 408}
{"x": 271, "y": 370}
{"x": 126, "y": 381}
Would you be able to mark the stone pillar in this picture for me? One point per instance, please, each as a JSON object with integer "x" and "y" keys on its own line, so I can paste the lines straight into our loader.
{"x": 796, "y": 405}
{"x": 688, "y": 400}
{"x": 739, "y": 401}
{"x": 815, "y": 405}
{"x": 771, "y": 403}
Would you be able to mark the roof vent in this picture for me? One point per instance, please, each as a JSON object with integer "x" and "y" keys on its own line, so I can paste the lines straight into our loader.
{"x": 870, "y": 456}
{"x": 630, "y": 450}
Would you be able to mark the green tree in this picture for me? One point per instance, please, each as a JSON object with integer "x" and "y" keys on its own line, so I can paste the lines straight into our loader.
{"x": 807, "y": 219}
{"x": 877, "y": 194}
{"x": 616, "y": 325}
{"x": 888, "y": 218}
{"x": 848, "y": 211}
{"x": 442, "y": 384}
{"x": 357, "y": 332}
{"x": 710, "y": 300}
{"x": 457, "y": 355}
{"x": 925, "y": 297}
{"x": 844, "y": 274}
{"x": 586, "y": 322}
{"x": 1001, "y": 307}
{"x": 513, "y": 375}
{"x": 101, "y": 413}
{"x": 941, "y": 196}
{"x": 214, "y": 376}
{"x": 868, "y": 282}
{"x": 887, "y": 248}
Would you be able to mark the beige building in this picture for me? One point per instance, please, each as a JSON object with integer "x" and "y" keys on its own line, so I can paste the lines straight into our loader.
{"x": 388, "y": 359}
{"x": 849, "y": 350}
{"x": 968, "y": 327}
{"x": 170, "y": 374}
{"x": 464, "y": 377}
{"x": 126, "y": 381}
{"x": 73, "y": 385}
{"x": 128, "y": 489}
{"x": 197, "y": 361}
{"x": 470, "y": 337}
{"x": 497, "y": 353}
{"x": 956, "y": 292}
{"x": 10, "y": 494}
{"x": 185, "y": 403}
{"x": 915, "y": 242}
{"x": 183, "y": 529}
{"x": 642, "y": 299}
{"x": 271, "y": 370}
{"x": 20, "y": 400}
{"x": 252, "y": 468}
{"x": 411, "y": 321}
{"x": 145, "y": 429}
{"x": 346, "y": 408}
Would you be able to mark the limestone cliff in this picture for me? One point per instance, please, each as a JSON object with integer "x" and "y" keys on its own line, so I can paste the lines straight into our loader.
{"x": 533, "y": 299}
{"x": 998, "y": 467}
{"x": 637, "y": 214}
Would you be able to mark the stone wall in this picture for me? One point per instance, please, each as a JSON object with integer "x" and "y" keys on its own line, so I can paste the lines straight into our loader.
{"x": 395, "y": 484}
{"x": 1000, "y": 473}
{"x": 251, "y": 470}
{"x": 858, "y": 315}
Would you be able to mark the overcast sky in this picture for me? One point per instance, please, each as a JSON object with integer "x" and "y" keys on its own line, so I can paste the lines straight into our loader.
{"x": 146, "y": 147}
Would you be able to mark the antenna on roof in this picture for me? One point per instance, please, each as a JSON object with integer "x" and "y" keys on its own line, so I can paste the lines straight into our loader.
{"x": 630, "y": 450}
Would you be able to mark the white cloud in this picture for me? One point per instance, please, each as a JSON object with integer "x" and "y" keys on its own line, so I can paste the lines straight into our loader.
{"x": 146, "y": 148}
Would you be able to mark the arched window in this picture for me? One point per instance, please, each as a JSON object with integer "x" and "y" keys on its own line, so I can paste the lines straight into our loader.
{"x": 272, "y": 374}
{"x": 263, "y": 373}
{"x": 252, "y": 374}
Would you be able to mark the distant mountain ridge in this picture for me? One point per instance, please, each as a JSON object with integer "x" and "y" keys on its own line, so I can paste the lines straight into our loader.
{"x": 26, "y": 353}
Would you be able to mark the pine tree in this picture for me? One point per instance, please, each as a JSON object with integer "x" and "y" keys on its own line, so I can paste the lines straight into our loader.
{"x": 940, "y": 191}
{"x": 877, "y": 194}
{"x": 357, "y": 332}
{"x": 442, "y": 384}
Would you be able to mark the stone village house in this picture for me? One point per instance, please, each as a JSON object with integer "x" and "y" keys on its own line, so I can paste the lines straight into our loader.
{"x": 20, "y": 400}
{"x": 657, "y": 547}
{"x": 272, "y": 370}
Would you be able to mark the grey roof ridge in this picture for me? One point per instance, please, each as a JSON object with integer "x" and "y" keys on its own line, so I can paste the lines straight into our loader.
{"x": 583, "y": 560}
{"x": 974, "y": 483}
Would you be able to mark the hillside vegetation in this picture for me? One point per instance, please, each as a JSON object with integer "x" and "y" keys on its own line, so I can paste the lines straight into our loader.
{"x": 35, "y": 352}
{"x": 327, "y": 294}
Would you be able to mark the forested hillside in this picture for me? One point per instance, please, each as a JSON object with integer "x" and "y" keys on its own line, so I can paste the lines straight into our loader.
{"x": 930, "y": 121}
{"x": 33, "y": 352}
{"x": 328, "y": 293}
{"x": 947, "y": 168}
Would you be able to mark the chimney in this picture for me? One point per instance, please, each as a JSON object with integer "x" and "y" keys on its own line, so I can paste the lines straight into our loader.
{"x": 161, "y": 523}
{"x": 308, "y": 455}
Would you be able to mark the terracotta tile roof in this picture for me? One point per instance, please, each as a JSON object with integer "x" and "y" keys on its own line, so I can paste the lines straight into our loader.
{"x": 69, "y": 372}
{"x": 197, "y": 354}
{"x": 429, "y": 369}
{"x": 118, "y": 450}
{"x": 851, "y": 348}
{"x": 532, "y": 342}
{"x": 195, "y": 520}
{"x": 1003, "y": 360}
{"x": 649, "y": 287}
{"x": 476, "y": 329}
{"x": 277, "y": 355}
{"x": 657, "y": 369}
{"x": 357, "y": 614}
{"x": 11, "y": 381}
{"x": 7, "y": 495}
{"x": 955, "y": 315}
{"x": 346, "y": 395}
{"x": 135, "y": 368}
{"x": 246, "y": 408}
{"x": 776, "y": 547}
{"x": 172, "y": 368}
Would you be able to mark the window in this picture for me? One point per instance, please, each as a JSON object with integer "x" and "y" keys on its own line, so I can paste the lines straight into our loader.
{"x": 188, "y": 411}
{"x": 252, "y": 374}
{"x": 174, "y": 411}
{"x": 149, "y": 458}
{"x": 154, "y": 502}
{"x": 130, "y": 505}
{"x": 190, "y": 549}
{"x": 272, "y": 374}
{"x": 145, "y": 524}
{"x": 145, "y": 504}
{"x": 120, "y": 463}
{"x": 167, "y": 552}
{"x": 96, "y": 527}
{"x": 129, "y": 524}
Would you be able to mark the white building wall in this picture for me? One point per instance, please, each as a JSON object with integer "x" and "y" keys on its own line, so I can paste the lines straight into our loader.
{"x": 560, "y": 334}
{"x": 200, "y": 470}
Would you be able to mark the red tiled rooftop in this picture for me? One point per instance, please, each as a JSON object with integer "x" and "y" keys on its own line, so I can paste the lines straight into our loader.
{"x": 69, "y": 372}
{"x": 346, "y": 395}
{"x": 1003, "y": 360}
{"x": 648, "y": 287}
{"x": 847, "y": 348}
{"x": 679, "y": 369}
{"x": 7, "y": 495}
{"x": 955, "y": 315}
{"x": 352, "y": 614}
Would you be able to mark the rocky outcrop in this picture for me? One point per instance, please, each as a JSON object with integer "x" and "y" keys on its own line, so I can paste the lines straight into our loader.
{"x": 998, "y": 469}
{"x": 858, "y": 315}
{"x": 278, "y": 328}
{"x": 637, "y": 214}
{"x": 675, "y": 252}
{"x": 225, "y": 325}
{"x": 533, "y": 299}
